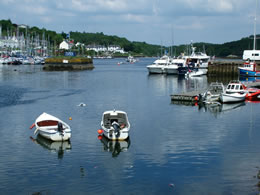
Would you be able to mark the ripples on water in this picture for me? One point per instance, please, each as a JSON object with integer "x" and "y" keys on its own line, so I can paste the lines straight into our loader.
{"x": 173, "y": 148}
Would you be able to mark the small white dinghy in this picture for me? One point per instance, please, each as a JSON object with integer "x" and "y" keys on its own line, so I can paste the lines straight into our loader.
{"x": 52, "y": 128}
{"x": 115, "y": 125}
{"x": 194, "y": 73}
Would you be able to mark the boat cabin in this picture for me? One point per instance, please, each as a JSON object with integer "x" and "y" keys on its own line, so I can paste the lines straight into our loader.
{"x": 235, "y": 87}
{"x": 250, "y": 66}
{"x": 110, "y": 117}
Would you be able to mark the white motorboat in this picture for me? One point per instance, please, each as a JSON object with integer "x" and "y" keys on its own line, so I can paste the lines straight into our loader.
{"x": 212, "y": 94}
{"x": 175, "y": 64}
{"x": 235, "y": 92}
{"x": 194, "y": 73}
{"x": 159, "y": 65}
{"x": 200, "y": 60}
{"x": 52, "y": 128}
{"x": 131, "y": 59}
{"x": 115, "y": 125}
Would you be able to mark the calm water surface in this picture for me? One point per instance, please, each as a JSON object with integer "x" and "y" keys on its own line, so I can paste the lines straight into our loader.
{"x": 173, "y": 148}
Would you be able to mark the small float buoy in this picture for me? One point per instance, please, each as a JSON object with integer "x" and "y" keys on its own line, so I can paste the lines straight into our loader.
{"x": 82, "y": 105}
{"x": 70, "y": 118}
{"x": 196, "y": 98}
{"x": 100, "y": 131}
{"x": 99, "y": 137}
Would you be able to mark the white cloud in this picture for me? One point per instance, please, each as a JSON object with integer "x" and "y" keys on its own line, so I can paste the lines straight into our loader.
{"x": 46, "y": 19}
{"x": 134, "y": 18}
{"x": 189, "y": 17}
{"x": 221, "y": 5}
{"x": 7, "y": 1}
{"x": 34, "y": 9}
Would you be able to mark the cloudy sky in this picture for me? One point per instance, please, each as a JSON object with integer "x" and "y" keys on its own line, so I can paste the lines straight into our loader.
{"x": 152, "y": 21}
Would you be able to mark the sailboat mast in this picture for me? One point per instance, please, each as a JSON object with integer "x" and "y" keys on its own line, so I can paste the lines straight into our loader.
{"x": 254, "y": 47}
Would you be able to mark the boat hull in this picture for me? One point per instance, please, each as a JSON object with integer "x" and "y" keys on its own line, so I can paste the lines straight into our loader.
{"x": 171, "y": 70}
{"x": 55, "y": 135}
{"x": 52, "y": 128}
{"x": 195, "y": 73}
{"x": 253, "y": 94}
{"x": 231, "y": 98}
{"x": 111, "y": 134}
{"x": 248, "y": 73}
{"x": 115, "y": 125}
{"x": 155, "y": 69}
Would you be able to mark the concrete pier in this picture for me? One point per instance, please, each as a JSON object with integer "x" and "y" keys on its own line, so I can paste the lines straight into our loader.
{"x": 226, "y": 67}
{"x": 187, "y": 96}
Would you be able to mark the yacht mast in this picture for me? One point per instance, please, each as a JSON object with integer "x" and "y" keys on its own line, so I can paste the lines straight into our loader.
{"x": 254, "y": 47}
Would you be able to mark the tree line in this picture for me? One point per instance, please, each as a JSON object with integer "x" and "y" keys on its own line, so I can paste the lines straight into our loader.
{"x": 234, "y": 48}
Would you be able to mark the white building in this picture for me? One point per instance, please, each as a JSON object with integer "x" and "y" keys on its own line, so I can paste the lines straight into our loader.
{"x": 11, "y": 42}
{"x": 111, "y": 48}
{"x": 64, "y": 45}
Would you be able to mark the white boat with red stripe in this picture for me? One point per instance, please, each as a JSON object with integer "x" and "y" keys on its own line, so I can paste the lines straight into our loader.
{"x": 52, "y": 128}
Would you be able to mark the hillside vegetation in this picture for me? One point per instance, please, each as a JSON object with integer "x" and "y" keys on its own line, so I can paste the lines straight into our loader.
{"x": 136, "y": 48}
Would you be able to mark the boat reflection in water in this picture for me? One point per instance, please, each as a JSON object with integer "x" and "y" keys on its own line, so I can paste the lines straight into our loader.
{"x": 114, "y": 146}
{"x": 249, "y": 79}
{"x": 215, "y": 108}
{"x": 57, "y": 146}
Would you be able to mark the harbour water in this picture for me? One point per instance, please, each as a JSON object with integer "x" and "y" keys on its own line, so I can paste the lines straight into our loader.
{"x": 173, "y": 148}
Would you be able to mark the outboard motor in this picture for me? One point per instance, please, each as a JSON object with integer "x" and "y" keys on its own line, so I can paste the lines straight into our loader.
{"x": 116, "y": 127}
{"x": 60, "y": 127}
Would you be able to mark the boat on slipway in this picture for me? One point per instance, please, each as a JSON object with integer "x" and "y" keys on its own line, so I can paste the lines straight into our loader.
{"x": 115, "y": 125}
{"x": 51, "y": 128}
{"x": 235, "y": 92}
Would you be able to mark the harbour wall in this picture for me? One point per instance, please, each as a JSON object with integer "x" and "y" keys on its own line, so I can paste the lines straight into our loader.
{"x": 225, "y": 67}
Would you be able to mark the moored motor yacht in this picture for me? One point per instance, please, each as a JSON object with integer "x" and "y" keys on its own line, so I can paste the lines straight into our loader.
{"x": 159, "y": 65}
{"x": 172, "y": 68}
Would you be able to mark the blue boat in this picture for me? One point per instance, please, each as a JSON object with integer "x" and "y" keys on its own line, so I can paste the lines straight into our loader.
{"x": 249, "y": 70}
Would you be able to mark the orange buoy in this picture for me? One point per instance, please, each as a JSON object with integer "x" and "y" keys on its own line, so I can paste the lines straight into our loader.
{"x": 196, "y": 98}
{"x": 70, "y": 118}
{"x": 100, "y": 131}
{"x": 99, "y": 137}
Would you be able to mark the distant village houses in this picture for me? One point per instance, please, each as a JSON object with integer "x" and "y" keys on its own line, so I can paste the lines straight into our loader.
{"x": 110, "y": 48}
{"x": 66, "y": 44}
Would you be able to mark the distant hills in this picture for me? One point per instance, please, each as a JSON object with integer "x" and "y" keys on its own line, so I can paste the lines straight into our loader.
{"x": 234, "y": 48}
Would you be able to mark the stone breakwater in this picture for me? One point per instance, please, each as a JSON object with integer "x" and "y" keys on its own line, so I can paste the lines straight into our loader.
{"x": 225, "y": 67}
{"x": 68, "y": 63}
